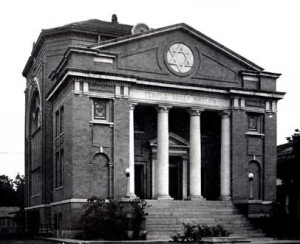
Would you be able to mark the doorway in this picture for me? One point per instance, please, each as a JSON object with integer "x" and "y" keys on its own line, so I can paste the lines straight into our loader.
{"x": 140, "y": 180}
{"x": 175, "y": 177}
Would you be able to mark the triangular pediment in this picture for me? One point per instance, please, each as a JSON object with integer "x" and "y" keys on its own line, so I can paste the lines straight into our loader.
{"x": 174, "y": 141}
{"x": 170, "y": 34}
{"x": 177, "y": 54}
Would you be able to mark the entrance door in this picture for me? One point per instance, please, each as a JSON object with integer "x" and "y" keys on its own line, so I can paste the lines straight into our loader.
{"x": 175, "y": 177}
{"x": 140, "y": 180}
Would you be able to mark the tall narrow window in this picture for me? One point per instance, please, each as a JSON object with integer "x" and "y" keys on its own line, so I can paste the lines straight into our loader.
{"x": 61, "y": 164}
{"x": 61, "y": 122}
{"x": 59, "y": 147}
{"x": 57, "y": 123}
{"x": 35, "y": 146}
{"x": 57, "y": 171}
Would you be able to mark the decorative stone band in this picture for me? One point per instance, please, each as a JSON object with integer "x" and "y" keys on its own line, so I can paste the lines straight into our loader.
{"x": 158, "y": 97}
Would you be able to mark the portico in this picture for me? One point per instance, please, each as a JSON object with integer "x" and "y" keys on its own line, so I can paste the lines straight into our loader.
{"x": 190, "y": 156}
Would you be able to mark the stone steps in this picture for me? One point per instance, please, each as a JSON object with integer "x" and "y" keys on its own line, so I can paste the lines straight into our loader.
{"x": 166, "y": 217}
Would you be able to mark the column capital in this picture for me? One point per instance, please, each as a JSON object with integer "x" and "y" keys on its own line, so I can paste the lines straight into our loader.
{"x": 132, "y": 106}
{"x": 195, "y": 111}
{"x": 225, "y": 113}
{"x": 163, "y": 108}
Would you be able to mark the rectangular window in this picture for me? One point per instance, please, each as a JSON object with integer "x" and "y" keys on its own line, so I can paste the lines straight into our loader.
{"x": 61, "y": 167}
{"x": 100, "y": 110}
{"x": 59, "y": 148}
{"x": 255, "y": 122}
{"x": 57, "y": 172}
{"x": 61, "y": 120}
{"x": 57, "y": 123}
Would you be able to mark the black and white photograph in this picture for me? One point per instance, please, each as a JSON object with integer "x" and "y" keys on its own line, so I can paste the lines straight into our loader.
{"x": 150, "y": 121}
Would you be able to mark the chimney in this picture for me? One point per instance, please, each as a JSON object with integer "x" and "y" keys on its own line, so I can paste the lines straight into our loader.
{"x": 114, "y": 19}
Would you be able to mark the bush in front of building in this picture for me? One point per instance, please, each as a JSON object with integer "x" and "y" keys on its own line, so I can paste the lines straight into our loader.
{"x": 195, "y": 232}
{"x": 108, "y": 219}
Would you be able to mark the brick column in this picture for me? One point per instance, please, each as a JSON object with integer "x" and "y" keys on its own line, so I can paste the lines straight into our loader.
{"x": 162, "y": 170}
{"x": 225, "y": 169}
{"x": 195, "y": 154}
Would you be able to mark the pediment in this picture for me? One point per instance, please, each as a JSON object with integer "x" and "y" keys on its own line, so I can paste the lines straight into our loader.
{"x": 148, "y": 53}
{"x": 174, "y": 141}
{"x": 144, "y": 60}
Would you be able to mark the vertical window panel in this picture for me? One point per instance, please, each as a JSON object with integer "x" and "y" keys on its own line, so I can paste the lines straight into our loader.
{"x": 61, "y": 127}
{"x": 57, "y": 123}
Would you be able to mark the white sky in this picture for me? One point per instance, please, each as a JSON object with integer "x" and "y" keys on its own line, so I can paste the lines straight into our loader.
{"x": 267, "y": 32}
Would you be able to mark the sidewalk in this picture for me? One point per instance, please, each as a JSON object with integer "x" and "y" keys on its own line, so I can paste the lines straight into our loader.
{"x": 73, "y": 241}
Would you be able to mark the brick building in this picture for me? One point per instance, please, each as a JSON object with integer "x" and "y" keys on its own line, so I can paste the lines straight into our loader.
{"x": 187, "y": 116}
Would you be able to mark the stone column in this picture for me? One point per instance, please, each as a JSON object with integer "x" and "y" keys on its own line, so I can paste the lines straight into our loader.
{"x": 225, "y": 169}
{"x": 184, "y": 178}
{"x": 195, "y": 154}
{"x": 131, "y": 150}
{"x": 162, "y": 170}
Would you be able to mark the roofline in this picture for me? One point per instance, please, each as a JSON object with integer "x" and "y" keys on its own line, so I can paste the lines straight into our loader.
{"x": 60, "y": 30}
{"x": 185, "y": 27}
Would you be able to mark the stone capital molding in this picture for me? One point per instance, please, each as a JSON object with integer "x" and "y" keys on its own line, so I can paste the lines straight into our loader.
{"x": 163, "y": 108}
{"x": 225, "y": 113}
{"x": 132, "y": 106}
{"x": 195, "y": 111}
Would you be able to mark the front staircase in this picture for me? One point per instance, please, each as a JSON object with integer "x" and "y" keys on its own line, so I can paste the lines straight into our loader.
{"x": 166, "y": 217}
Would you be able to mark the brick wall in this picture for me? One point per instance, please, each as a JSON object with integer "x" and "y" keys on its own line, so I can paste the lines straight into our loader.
{"x": 121, "y": 145}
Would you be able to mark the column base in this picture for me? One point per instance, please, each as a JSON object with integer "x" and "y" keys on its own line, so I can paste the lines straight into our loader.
{"x": 163, "y": 197}
{"x": 195, "y": 198}
{"x": 225, "y": 198}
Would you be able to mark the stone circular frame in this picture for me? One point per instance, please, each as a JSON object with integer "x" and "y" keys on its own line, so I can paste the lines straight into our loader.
{"x": 180, "y": 59}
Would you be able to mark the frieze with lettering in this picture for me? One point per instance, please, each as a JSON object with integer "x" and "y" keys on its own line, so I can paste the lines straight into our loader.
{"x": 173, "y": 98}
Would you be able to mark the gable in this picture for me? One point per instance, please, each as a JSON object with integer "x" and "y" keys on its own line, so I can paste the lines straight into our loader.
{"x": 147, "y": 56}
{"x": 174, "y": 141}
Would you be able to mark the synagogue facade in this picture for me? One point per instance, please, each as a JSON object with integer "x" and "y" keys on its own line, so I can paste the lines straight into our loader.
{"x": 188, "y": 118}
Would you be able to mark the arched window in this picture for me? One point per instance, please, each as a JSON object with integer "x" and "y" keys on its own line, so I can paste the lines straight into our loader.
{"x": 35, "y": 145}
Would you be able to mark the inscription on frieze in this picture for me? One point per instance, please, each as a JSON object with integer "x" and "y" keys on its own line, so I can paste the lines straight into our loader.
{"x": 172, "y": 98}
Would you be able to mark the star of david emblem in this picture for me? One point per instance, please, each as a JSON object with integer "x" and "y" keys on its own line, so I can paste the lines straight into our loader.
{"x": 180, "y": 58}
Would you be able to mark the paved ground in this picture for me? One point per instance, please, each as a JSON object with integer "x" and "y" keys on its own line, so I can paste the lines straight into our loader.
{"x": 25, "y": 242}
{"x": 69, "y": 241}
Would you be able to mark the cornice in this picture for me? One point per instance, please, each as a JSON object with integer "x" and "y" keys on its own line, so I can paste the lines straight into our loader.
{"x": 260, "y": 74}
{"x": 73, "y": 49}
{"x": 154, "y": 84}
{"x": 252, "y": 93}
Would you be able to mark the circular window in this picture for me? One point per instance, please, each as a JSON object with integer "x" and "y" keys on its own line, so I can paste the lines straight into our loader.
{"x": 180, "y": 58}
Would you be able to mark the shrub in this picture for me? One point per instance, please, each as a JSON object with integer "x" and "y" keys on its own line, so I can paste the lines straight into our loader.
{"x": 194, "y": 233}
{"x": 106, "y": 219}
{"x": 101, "y": 220}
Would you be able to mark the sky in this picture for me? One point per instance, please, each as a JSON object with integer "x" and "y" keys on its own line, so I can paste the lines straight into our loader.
{"x": 267, "y": 32}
